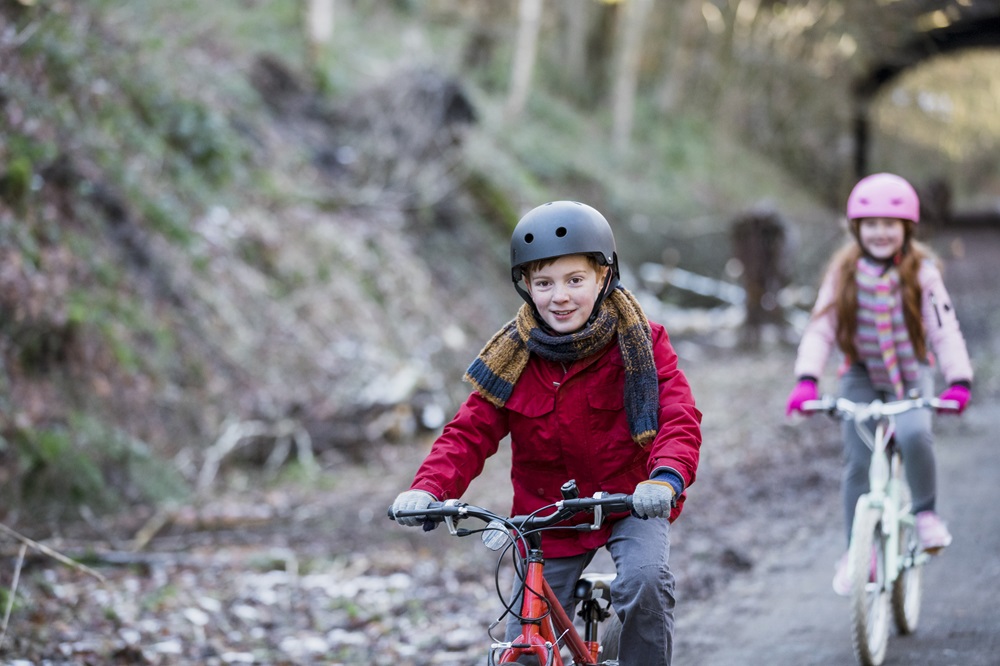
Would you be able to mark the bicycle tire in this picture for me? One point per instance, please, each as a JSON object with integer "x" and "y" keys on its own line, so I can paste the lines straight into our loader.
{"x": 611, "y": 636}
{"x": 907, "y": 591}
{"x": 869, "y": 595}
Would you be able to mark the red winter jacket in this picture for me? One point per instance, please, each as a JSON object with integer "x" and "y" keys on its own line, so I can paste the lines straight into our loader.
{"x": 569, "y": 424}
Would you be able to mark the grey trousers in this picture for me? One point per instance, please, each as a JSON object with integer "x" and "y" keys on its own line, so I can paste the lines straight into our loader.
{"x": 642, "y": 593}
{"x": 913, "y": 436}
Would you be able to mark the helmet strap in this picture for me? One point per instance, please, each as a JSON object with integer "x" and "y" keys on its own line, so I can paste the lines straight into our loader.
{"x": 527, "y": 299}
{"x": 605, "y": 290}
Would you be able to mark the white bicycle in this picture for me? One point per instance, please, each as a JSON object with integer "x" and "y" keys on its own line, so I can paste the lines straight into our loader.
{"x": 884, "y": 555}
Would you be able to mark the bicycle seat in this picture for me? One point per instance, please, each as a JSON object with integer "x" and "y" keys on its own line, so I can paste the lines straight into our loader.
{"x": 594, "y": 586}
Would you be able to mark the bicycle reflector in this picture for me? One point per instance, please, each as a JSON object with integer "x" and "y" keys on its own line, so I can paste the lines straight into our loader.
{"x": 495, "y": 535}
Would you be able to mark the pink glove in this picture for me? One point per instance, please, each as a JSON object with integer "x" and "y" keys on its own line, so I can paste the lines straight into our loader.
{"x": 959, "y": 394}
{"x": 804, "y": 391}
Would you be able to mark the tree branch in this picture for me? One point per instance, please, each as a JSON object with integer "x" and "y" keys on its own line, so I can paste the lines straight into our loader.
{"x": 45, "y": 550}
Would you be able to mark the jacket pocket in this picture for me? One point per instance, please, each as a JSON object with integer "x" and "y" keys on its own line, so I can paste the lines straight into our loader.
{"x": 534, "y": 437}
{"x": 531, "y": 406}
{"x": 608, "y": 426}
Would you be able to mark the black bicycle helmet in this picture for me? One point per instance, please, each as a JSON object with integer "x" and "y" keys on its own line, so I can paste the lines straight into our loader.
{"x": 559, "y": 228}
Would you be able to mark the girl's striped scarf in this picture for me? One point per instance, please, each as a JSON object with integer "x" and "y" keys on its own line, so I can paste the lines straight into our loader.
{"x": 500, "y": 363}
{"x": 883, "y": 342}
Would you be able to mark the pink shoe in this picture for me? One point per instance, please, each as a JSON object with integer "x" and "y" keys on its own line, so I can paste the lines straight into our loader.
{"x": 932, "y": 532}
{"x": 841, "y": 578}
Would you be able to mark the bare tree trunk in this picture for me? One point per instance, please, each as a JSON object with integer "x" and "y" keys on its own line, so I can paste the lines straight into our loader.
{"x": 725, "y": 95}
{"x": 748, "y": 15}
{"x": 680, "y": 59}
{"x": 576, "y": 16}
{"x": 529, "y": 23}
{"x": 627, "y": 73}
{"x": 484, "y": 28}
{"x": 318, "y": 21}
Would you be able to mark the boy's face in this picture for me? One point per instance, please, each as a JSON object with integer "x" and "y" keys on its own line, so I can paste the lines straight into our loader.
{"x": 564, "y": 292}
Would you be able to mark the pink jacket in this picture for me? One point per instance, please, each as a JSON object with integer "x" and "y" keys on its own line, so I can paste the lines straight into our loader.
{"x": 939, "y": 319}
{"x": 569, "y": 423}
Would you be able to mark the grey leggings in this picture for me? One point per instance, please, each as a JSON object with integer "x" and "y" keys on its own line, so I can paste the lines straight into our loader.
{"x": 913, "y": 436}
{"x": 642, "y": 592}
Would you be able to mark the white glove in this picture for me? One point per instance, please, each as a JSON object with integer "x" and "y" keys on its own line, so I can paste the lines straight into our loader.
{"x": 653, "y": 499}
{"x": 412, "y": 500}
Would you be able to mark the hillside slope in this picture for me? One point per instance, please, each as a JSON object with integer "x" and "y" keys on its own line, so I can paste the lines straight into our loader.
{"x": 200, "y": 245}
{"x": 170, "y": 269}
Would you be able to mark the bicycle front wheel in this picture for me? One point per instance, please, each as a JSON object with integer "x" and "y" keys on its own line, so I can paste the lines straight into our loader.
{"x": 907, "y": 590}
{"x": 869, "y": 594}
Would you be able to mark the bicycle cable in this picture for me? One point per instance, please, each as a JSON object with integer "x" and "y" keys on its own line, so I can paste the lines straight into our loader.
{"x": 519, "y": 538}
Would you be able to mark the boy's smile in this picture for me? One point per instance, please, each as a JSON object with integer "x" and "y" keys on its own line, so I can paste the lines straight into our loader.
{"x": 564, "y": 292}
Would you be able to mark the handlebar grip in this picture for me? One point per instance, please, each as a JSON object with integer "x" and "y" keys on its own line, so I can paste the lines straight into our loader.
{"x": 824, "y": 404}
{"x": 435, "y": 511}
{"x": 432, "y": 516}
{"x": 619, "y": 503}
{"x": 612, "y": 503}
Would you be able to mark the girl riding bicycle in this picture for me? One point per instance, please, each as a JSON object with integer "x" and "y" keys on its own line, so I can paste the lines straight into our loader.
{"x": 883, "y": 303}
{"x": 587, "y": 389}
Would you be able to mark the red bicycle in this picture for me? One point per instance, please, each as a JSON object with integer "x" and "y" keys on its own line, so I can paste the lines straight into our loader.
{"x": 546, "y": 628}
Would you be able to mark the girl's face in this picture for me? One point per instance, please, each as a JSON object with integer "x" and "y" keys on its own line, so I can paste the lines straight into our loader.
{"x": 882, "y": 237}
{"x": 564, "y": 292}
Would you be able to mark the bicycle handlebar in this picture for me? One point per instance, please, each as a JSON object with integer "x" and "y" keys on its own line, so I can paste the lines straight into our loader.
{"x": 450, "y": 511}
{"x": 863, "y": 411}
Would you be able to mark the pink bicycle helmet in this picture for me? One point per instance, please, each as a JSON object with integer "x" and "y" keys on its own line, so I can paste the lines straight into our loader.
{"x": 883, "y": 195}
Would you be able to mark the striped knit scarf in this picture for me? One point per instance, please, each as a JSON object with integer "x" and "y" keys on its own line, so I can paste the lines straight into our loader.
{"x": 883, "y": 342}
{"x": 500, "y": 363}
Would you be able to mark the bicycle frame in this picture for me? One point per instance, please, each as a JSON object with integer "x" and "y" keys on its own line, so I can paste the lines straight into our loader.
{"x": 880, "y": 565}
{"x": 886, "y": 493}
{"x": 546, "y": 623}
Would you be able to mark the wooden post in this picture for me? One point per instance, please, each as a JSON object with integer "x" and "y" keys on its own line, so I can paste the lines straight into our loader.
{"x": 759, "y": 245}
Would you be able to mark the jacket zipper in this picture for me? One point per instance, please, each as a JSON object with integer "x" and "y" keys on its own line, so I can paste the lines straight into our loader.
{"x": 565, "y": 370}
{"x": 937, "y": 313}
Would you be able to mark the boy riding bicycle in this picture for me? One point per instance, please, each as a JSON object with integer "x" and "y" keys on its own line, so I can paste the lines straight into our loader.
{"x": 588, "y": 389}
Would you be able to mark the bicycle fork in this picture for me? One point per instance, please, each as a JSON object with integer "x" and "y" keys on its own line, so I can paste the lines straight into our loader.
{"x": 887, "y": 478}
